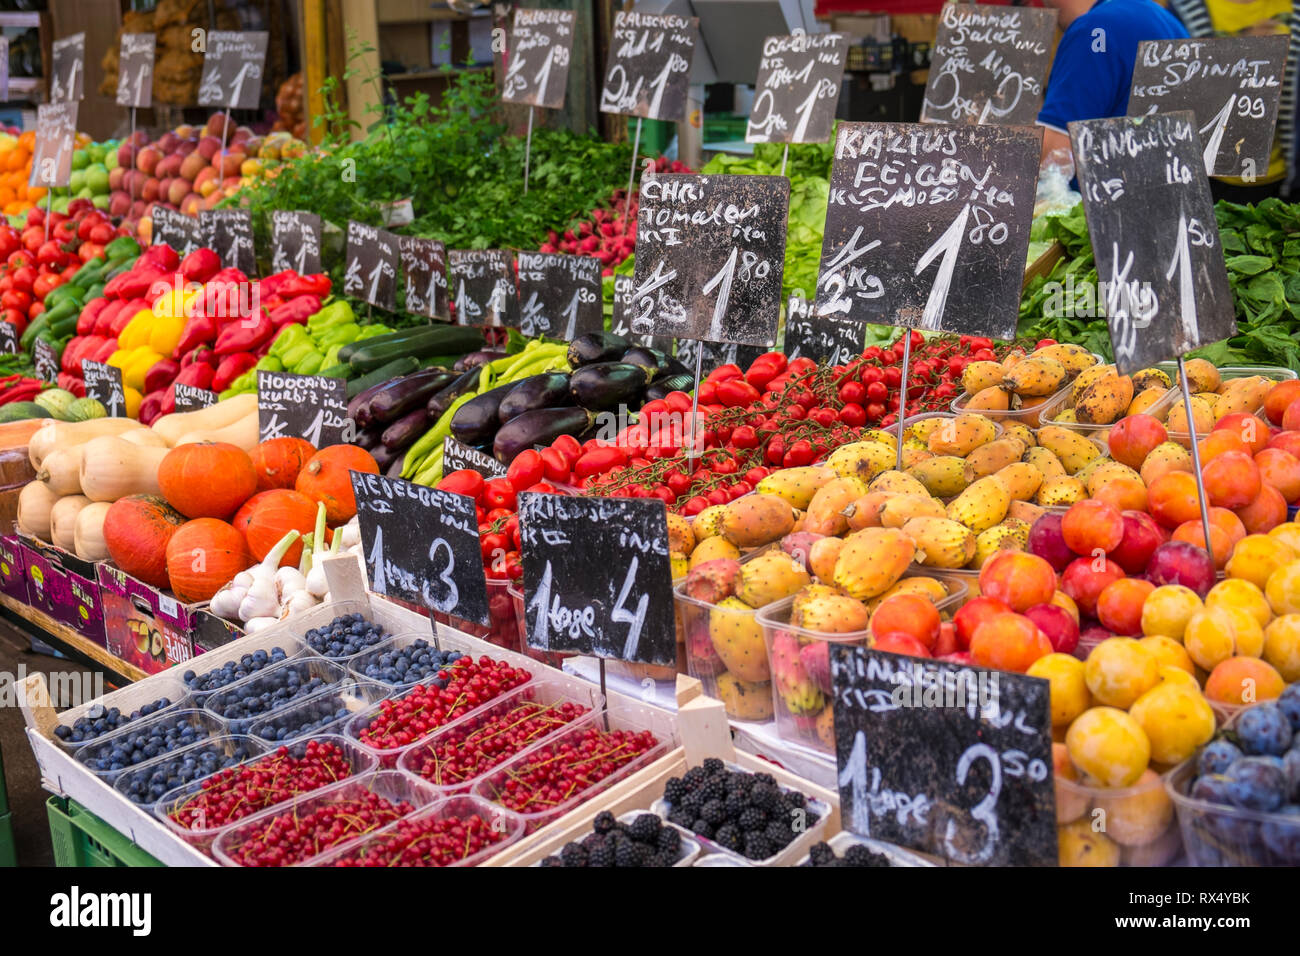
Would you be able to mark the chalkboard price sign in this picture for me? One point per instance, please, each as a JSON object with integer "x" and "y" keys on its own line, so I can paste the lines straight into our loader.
{"x": 710, "y": 254}
{"x": 1232, "y": 84}
{"x": 135, "y": 70}
{"x": 104, "y": 385}
{"x": 424, "y": 264}
{"x": 537, "y": 64}
{"x": 56, "y": 125}
{"x": 295, "y": 241}
{"x": 175, "y": 229}
{"x": 68, "y": 71}
{"x": 229, "y": 233}
{"x": 951, "y": 760}
{"x": 597, "y": 577}
{"x": 560, "y": 296}
{"x": 422, "y": 545}
{"x": 304, "y": 406}
{"x": 1154, "y": 236}
{"x": 4, "y": 69}
{"x": 372, "y": 260}
{"x": 920, "y": 214}
{"x": 649, "y": 65}
{"x": 713, "y": 354}
{"x": 798, "y": 88}
{"x": 989, "y": 65}
{"x": 624, "y": 320}
{"x": 232, "y": 69}
{"x": 827, "y": 340}
{"x": 8, "y": 338}
{"x": 189, "y": 398}
{"x": 457, "y": 456}
{"x": 46, "y": 361}
{"x": 483, "y": 287}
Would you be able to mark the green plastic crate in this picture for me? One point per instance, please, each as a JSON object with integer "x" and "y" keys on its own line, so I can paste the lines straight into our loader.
{"x": 8, "y": 853}
{"x": 82, "y": 839}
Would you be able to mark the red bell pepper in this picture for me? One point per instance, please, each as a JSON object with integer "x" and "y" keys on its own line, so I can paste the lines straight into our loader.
{"x": 317, "y": 284}
{"x": 137, "y": 283}
{"x": 271, "y": 285}
{"x": 161, "y": 255}
{"x": 121, "y": 320}
{"x": 73, "y": 384}
{"x": 161, "y": 374}
{"x": 200, "y": 265}
{"x": 202, "y": 355}
{"x": 245, "y": 335}
{"x": 104, "y": 321}
{"x": 169, "y": 282}
{"x": 168, "y": 400}
{"x": 229, "y": 275}
{"x": 271, "y": 304}
{"x": 89, "y": 312}
{"x": 105, "y": 351}
{"x": 199, "y": 374}
{"x": 224, "y": 300}
{"x": 231, "y": 367}
{"x": 199, "y": 330}
{"x": 151, "y": 408}
{"x": 295, "y": 311}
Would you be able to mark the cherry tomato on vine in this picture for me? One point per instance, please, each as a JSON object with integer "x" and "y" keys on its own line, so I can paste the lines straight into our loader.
{"x": 852, "y": 392}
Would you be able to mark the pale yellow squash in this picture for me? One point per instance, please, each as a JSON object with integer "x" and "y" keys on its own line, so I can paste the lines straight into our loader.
{"x": 112, "y": 468}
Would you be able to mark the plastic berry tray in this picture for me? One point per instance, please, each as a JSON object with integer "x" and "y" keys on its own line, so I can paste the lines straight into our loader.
{"x": 223, "y": 747}
{"x": 358, "y": 663}
{"x": 264, "y": 681}
{"x": 358, "y": 759}
{"x": 718, "y": 859}
{"x": 210, "y": 661}
{"x": 205, "y": 725}
{"x": 463, "y": 806}
{"x": 129, "y": 698}
{"x": 322, "y": 616}
{"x": 392, "y": 786}
{"x": 284, "y": 724}
{"x": 897, "y": 855}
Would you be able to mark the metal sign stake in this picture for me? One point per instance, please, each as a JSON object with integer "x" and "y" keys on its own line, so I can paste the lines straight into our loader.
{"x": 785, "y": 155}
{"x": 1196, "y": 456}
{"x": 695, "y": 400}
{"x": 134, "y": 147}
{"x": 902, "y": 394}
{"x": 528, "y": 149}
{"x": 631, "y": 173}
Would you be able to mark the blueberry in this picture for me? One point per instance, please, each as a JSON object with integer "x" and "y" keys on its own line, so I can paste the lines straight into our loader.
{"x": 1263, "y": 729}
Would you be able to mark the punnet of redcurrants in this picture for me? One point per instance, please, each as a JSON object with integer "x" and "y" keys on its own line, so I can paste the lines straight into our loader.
{"x": 747, "y": 813}
{"x": 857, "y": 855}
{"x": 645, "y": 842}
{"x": 460, "y": 754}
{"x": 418, "y": 662}
{"x": 425, "y": 841}
{"x": 231, "y": 671}
{"x": 293, "y": 837}
{"x": 150, "y": 784}
{"x": 418, "y": 713}
{"x": 145, "y": 741}
{"x": 238, "y": 792}
{"x": 100, "y": 720}
{"x": 346, "y": 635}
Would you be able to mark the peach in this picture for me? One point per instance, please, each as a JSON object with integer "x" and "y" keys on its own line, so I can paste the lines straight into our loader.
{"x": 208, "y": 147}
{"x": 1086, "y": 578}
{"x": 1141, "y": 814}
{"x": 1090, "y": 526}
{"x": 115, "y": 177}
{"x": 1256, "y": 556}
{"x": 1058, "y": 624}
{"x": 1173, "y": 498}
{"x": 1222, "y": 440}
{"x": 1167, "y": 610}
{"x": 150, "y": 191}
{"x": 1008, "y": 642}
{"x": 1287, "y": 441}
{"x": 1017, "y": 579}
{"x": 228, "y": 163}
{"x": 1170, "y": 654}
{"x": 1123, "y": 493}
{"x": 1283, "y": 589}
{"x": 191, "y": 204}
{"x": 1291, "y": 417}
{"x": 909, "y": 614}
{"x": 178, "y": 190}
{"x": 1193, "y": 532}
{"x": 1266, "y": 512}
{"x": 1249, "y": 430}
{"x": 1243, "y": 680}
{"x": 1282, "y": 646}
{"x": 1109, "y": 746}
{"x": 191, "y": 165}
{"x": 1068, "y": 691}
{"x": 1281, "y": 469}
{"x": 1120, "y": 670}
{"x": 147, "y": 160}
{"x": 1119, "y": 606}
{"x": 1134, "y": 437}
{"x": 1231, "y": 479}
{"x": 168, "y": 166}
{"x": 1243, "y": 595}
{"x": 205, "y": 183}
{"x": 1141, "y": 538}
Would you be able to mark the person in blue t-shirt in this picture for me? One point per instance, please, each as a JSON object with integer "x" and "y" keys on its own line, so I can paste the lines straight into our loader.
{"x": 1093, "y": 69}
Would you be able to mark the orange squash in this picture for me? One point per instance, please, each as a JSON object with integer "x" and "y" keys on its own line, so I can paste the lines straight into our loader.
{"x": 265, "y": 517}
{"x": 137, "y": 530}
{"x": 326, "y": 478}
{"x": 202, "y": 556}
{"x": 207, "y": 479}
{"x": 277, "y": 461}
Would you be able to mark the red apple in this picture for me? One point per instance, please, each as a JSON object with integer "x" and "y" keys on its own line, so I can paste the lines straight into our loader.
{"x": 209, "y": 146}
{"x": 119, "y": 203}
{"x": 178, "y": 190}
{"x": 116, "y": 176}
{"x": 147, "y": 160}
{"x": 150, "y": 191}
{"x": 168, "y": 142}
{"x": 169, "y": 165}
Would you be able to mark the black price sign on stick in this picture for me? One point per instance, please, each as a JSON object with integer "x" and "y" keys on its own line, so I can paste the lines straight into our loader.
{"x": 232, "y": 69}
{"x": 303, "y": 406}
{"x": 372, "y": 260}
{"x": 8, "y": 338}
{"x": 710, "y": 253}
{"x": 190, "y": 398}
{"x": 824, "y": 339}
{"x": 798, "y": 88}
{"x": 295, "y": 241}
{"x": 229, "y": 233}
{"x": 968, "y": 778}
{"x": 1154, "y": 236}
{"x": 624, "y": 321}
{"x": 457, "y": 456}
{"x": 483, "y": 287}
{"x": 174, "y": 229}
{"x": 597, "y": 577}
{"x": 424, "y": 265}
{"x": 560, "y": 296}
{"x": 56, "y": 125}
{"x": 650, "y": 66}
{"x": 104, "y": 385}
{"x": 46, "y": 361}
{"x": 917, "y": 214}
{"x": 135, "y": 70}
{"x": 68, "y": 70}
{"x": 422, "y": 545}
{"x": 537, "y": 63}
{"x": 4, "y": 69}
{"x": 989, "y": 65}
{"x": 1232, "y": 84}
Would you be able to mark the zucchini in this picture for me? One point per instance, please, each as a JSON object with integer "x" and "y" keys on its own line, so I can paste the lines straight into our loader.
{"x": 419, "y": 343}
{"x": 398, "y": 367}
{"x": 17, "y": 411}
{"x": 35, "y": 328}
{"x": 336, "y": 371}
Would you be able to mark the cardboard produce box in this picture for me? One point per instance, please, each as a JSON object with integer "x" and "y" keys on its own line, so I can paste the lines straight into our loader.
{"x": 13, "y": 574}
{"x": 145, "y": 626}
{"x": 63, "y": 586}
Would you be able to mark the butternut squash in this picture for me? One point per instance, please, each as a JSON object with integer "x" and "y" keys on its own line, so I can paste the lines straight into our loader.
{"x": 63, "y": 521}
{"x": 63, "y": 434}
{"x": 35, "y": 502}
{"x": 179, "y": 424}
{"x": 112, "y": 468}
{"x": 242, "y": 433}
{"x": 145, "y": 438}
{"x": 61, "y": 470}
{"x": 88, "y": 536}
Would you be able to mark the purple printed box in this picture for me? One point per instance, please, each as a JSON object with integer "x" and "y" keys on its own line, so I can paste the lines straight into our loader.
{"x": 145, "y": 626}
{"x": 13, "y": 574}
{"x": 63, "y": 586}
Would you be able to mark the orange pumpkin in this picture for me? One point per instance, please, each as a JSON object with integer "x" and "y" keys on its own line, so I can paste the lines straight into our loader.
{"x": 266, "y": 517}
{"x": 137, "y": 530}
{"x": 277, "y": 461}
{"x": 326, "y": 478}
{"x": 202, "y": 556}
{"x": 207, "y": 479}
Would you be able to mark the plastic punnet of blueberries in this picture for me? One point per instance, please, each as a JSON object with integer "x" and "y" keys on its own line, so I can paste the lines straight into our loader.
{"x": 232, "y": 671}
{"x": 413, "y": 664}
{"x": 100, "y": 720}
{"x": 145, "y": 742}
{"x": 345, "y": 636}
{"x": 150, "y": 784}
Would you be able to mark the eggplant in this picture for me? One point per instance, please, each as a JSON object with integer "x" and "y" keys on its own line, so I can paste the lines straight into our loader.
{"x": 476, "y": 421}
{"x": 596, "y": 347}
{"x": 384, "y": 457}
{"x": 541, "y": 426}
{"x": 441, "y": 401}
{"x": 668, "y": 383}
{"x": 403, "y": 432}
{"x": 368, "y": 438}
{"x": 359, "y": 400}
{"x": 399, "y": 396}
{"x": 475, "y": 359}
{"x": 646, "y": 357}
{"x": 395, "y": 469}
{"x": 608, "y": 384}
{"x": 548, "y": 390}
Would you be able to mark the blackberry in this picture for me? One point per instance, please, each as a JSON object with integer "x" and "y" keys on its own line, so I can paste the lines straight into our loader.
{"x": 681, "y": 817}
{"x": 757, "y": 847}
{"x": 794, "y": 799}
{"x": 692, "y": 803}
{"x": 751, "y": 820}
{"x": 552, "y": 861}
{"x": 696, "y": 776}
{"x": 713, "y": 765}
{"x": 734, "y": 804}
{"x": 712, "y": 791}
{"x": 663, "y": 859}
{"x": 645, "y": 828}
{"x": 821, "y": 854}
{"x": 669, "y": 841}
{"x": 730, "y": 837}
{"x": 703, "y": 827}
{"x": 604, "y": 822}
{"x": 738, "y": 780}
{"x": 627, "y": 855}
{"x": 766, "y": 797}
{"x": 573, "y": 854}
{"x": 714, "y": 812}
{"x": 765, "y": 778}
{"x": 778, "y": 833}
{"x": 861, "y": 856}
{"x": 601, "y": 855}
{"x": 674, "y": 790}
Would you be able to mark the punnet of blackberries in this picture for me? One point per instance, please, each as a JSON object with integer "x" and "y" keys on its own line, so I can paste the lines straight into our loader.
{"x": 345, "y": 636}
{"x": 823, "y": 855}
{"x": 645, "y": 842}
{"x": 746, "y": 813}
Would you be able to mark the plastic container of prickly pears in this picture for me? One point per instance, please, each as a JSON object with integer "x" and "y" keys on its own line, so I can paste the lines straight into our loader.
{"x": 1062, "y": 402}
{"x": 746, "y": 694}
{"x": 1027, "y": 414}
{"x": 911, "y": 420}
{"x": 1116, "y": 826}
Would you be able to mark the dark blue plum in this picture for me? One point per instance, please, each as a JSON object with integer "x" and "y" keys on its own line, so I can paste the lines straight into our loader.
{"x": 1263, "y": 729}
{"x": 1282, "y": 837}
{"x": 1290, "y": 704}
{"x": 1256, "y": 783}
{"x": 1216, "y": 757}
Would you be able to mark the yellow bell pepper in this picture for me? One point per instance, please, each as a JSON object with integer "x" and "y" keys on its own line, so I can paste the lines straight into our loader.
{"x": 165, "y": 333}
{"x": 134, "y": 372}
{"x": 175, "y": 304}
{"x": 133, "y": 400}
{"x": 137, "y": 331}
{"x": 118, "y": 358}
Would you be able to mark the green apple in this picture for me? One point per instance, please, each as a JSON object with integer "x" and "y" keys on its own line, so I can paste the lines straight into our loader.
{"x": 60, "y": 205}
{"x": 85, "y": 193}
{"x": 80, "y": 159}
{"x": 102, "y": 201}
{"x": 77, "y": 180}
{"x": 110, "y": 160}
{"x": 97, "y": 178}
